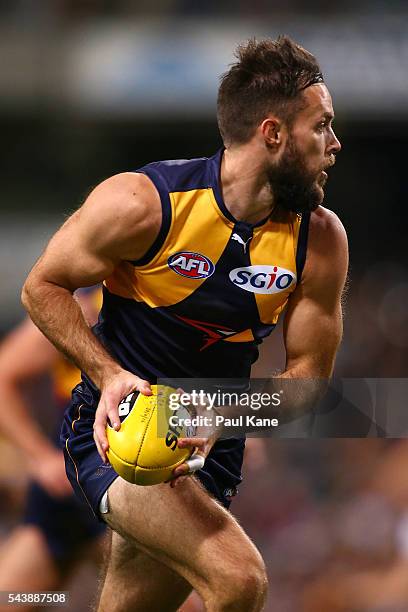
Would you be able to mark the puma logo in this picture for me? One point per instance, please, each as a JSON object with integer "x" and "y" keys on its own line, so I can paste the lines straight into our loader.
{"x": 241, "y": 241}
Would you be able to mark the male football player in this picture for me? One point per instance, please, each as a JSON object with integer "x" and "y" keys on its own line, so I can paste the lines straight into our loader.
{"x": 56, "y": 528}
{"x": 198, "y": 258}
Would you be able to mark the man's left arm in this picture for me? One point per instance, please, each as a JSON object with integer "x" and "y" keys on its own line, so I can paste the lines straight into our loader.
{"x": 313, "y": 324}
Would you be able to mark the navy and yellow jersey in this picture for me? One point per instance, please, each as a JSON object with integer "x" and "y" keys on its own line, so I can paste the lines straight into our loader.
{"x": 209, "y": 289}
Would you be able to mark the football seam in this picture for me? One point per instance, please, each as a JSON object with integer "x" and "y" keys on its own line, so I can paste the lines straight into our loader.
{"x": 144, "y": 436}
{"x": 146, "y": 467}
{"x": 163, "y": 467}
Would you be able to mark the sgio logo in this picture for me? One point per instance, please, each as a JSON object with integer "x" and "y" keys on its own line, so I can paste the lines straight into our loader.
{"x": 262, "y": 279}
{"x": 175, "y": 431}
{"x": 190, "y": 264}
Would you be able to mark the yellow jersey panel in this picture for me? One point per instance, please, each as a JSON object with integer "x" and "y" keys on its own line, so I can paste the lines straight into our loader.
{"x": 275, "y": 246}
{"x": 209, "y": 289}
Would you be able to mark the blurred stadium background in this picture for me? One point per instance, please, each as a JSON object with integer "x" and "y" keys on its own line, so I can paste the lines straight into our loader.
{"x": 90, "y": 88}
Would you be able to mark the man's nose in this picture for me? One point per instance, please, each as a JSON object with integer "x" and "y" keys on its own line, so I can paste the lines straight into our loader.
{"x": 334, "y": 144}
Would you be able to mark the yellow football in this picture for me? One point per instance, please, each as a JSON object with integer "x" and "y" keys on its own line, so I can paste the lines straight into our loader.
{"x": 144, "y": 451}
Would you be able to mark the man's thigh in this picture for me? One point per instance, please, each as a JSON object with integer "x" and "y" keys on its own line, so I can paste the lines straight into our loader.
{"x": 26, "y": 563}
{"x": 182, "y": 527}
{"x": 136, "y": 582}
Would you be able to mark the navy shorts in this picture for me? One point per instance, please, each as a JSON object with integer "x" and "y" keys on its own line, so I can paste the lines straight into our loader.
{"x": 90, "y": 477}
{"x": 67, "y": 524}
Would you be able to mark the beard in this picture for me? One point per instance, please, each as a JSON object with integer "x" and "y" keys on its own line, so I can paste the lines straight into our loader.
{"x": 294, "y": 187}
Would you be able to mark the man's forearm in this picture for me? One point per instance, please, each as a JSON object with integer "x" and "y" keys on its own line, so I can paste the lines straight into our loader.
{"x": 284, "y": 398}
{"x": 299, "y": 392}
{"x": 58, "y": 315}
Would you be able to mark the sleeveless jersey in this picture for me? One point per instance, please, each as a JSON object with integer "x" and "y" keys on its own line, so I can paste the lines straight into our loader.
{"x": 208, "y": 290}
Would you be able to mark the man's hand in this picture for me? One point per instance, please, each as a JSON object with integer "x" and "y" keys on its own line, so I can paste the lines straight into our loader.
{"x": 202, "y": 448}
{"x": 48, "y": 469}
{"x": 202, "y": 442}
{"x": 113, "y": 391}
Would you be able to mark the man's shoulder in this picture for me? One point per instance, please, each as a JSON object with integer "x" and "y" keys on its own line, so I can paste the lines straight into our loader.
{"x": 327, "y": 252}
{"x": 126, "y": 193}
{"x": 326, "y": 219}
{"x": 325, "y": 226}
{"x": 122, "y": 215}
{"x": 122, "y": 184}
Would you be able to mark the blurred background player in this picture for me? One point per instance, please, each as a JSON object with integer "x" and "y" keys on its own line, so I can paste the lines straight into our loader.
{"x": 56, "y": 530}
{"x": 48, "y": 528}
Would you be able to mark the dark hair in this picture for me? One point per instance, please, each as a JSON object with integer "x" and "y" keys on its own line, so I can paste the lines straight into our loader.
{"x": 268, "y": 77}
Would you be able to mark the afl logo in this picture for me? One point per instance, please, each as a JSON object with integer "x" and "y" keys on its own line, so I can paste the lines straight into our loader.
{"x": 192, "y": 265}
{"x": 262, "y": 279}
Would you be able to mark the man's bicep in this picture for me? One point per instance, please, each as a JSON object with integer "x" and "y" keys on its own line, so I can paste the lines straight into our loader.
{"x": 312, "y": 334}
{"x": 313, "y": 323}
{"x": 111, "y": 226}
{"x": 71, "y": 259}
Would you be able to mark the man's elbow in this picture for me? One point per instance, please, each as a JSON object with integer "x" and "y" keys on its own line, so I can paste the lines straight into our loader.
{"x": 32, "y": 291}
{"x": 27, "y": 293}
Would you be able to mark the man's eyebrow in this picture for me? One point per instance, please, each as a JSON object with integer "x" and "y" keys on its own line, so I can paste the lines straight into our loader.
{"x": 328, "y": 115}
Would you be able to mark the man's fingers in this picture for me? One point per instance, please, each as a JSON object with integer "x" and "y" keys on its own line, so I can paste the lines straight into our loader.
{"x": 101, "y": 450}
{"x": 192, "y": 442}
{"x": 144, "y": 387}
{"x": 108, "y": 410}
{"x": 100, "y": 438}
{"x": 114, "y": 419}
{"x": 196, "y": 462}
{"x": 179, "y": 474}
{"x": 181, "y": 470}
{"x": 176, "y": 481}
{"x": 101, "y": 453}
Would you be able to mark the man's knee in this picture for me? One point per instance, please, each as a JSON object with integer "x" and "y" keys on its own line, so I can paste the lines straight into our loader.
{"x": 240, "y": 586}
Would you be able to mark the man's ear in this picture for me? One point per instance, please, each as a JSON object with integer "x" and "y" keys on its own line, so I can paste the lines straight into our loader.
{"x": 272, "y": 131}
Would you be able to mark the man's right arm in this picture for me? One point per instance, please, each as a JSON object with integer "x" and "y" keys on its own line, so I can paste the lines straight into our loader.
{"x": 24, "y": 355}
{"x": 119, "y": 221}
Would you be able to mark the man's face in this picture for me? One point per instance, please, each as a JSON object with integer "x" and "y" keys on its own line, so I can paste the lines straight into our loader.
{"x": 297, "y": 178}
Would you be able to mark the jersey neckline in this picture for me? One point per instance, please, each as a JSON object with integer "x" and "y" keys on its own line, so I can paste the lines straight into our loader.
{"x": 215, "y": 165}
